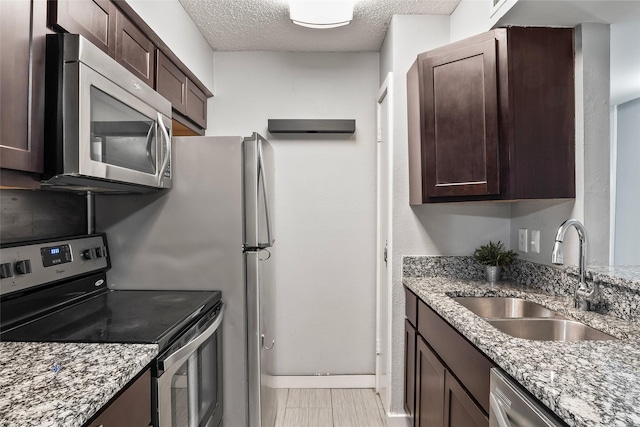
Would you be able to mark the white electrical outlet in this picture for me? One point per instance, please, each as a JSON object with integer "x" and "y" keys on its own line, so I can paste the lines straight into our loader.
{"x": 523, "y": 240}
{"x": 535, "y": 241}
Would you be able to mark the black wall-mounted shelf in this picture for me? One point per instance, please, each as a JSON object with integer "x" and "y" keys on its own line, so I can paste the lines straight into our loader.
{"x": 311, "y": 126}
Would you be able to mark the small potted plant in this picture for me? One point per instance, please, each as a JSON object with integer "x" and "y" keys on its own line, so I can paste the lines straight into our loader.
{"x": 494, "y": 258}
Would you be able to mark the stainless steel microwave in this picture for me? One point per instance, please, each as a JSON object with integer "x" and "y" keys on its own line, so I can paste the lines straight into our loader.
{"x": 105, "y": 130}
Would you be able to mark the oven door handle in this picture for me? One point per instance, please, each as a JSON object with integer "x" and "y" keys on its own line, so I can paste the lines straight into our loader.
{"x": 192, "y": 345}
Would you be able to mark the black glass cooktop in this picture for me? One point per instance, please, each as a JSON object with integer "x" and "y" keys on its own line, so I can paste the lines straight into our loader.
{"x": 120, "y": 316}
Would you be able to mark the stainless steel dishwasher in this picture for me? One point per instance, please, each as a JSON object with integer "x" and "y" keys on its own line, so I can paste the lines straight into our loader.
{"x": 511, "y": 406}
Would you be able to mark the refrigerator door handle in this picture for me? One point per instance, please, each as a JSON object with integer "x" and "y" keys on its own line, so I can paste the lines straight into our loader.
{"x": 262, "y": 177}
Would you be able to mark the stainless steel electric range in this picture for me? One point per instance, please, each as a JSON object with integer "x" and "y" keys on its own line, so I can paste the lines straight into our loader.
{"x": 56, "y": 291}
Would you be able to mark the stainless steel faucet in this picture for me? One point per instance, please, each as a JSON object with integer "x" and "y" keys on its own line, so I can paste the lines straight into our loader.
{"x": 584, "y": 294}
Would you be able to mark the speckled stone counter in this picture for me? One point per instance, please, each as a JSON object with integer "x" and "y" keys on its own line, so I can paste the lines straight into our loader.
{"x": 588, "y": 383}
{"x": 622, "y": 275}
{"x": 89, "y": 375}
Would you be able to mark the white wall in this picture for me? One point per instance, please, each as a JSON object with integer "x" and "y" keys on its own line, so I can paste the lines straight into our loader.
{"x": 471, "y": 17}
{"x": 625, "y": 92}
{"x": 438, "y": 229}
{"x": 625, "y": 58}
{"x": 627, "y": 231}
{"x": 325, "y": 201}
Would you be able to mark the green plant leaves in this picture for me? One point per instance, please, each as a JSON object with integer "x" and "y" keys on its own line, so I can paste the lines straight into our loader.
{"x": 494, "y": 254}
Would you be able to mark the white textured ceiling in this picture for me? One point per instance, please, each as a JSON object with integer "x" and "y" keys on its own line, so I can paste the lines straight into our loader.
{"x": 259, "y": 25}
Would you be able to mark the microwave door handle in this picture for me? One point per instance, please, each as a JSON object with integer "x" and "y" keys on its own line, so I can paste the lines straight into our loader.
{"x": 149, "y": 142}
{"x": 192, "y": 345}
{"x": 266, "y": 196}
{"x": 165, "y": 162}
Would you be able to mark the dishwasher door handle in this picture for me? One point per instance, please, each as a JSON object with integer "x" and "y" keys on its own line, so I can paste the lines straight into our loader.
{"x": 498, "y": 412}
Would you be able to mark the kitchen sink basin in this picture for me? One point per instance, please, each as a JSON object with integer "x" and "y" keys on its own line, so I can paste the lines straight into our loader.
{"x": 521, "y": 318}
{"x": 505, "y": 308}
{"x": 548, "y": 329}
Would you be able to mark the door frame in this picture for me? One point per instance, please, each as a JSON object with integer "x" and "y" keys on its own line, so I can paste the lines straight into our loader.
{"x": 384, "y": 93}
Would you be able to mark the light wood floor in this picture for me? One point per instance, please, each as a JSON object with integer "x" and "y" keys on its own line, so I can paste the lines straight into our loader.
{"x": 329, "y": 408}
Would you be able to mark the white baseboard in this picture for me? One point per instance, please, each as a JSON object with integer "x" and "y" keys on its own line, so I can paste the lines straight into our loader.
{"x": 319, "y": 381}
{"x": 398, "y": 420}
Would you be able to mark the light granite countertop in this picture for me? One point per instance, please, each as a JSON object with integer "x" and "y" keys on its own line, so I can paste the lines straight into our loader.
{"x": 87, "y": 377}
{"x": 587, "y": 383}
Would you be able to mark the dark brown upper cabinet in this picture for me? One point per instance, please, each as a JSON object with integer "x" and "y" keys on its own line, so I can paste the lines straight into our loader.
{"x": 93, "y": 19}
{"x": 111, "y": 25}
{"x": 23, "y": 27}
{"x": 134, "y": 50}
{"x": 492, "y": 118}
{"x": 196, "y": 104}
{"x": 172, "y": 83}
{"x": 119, "y": 31}
{"x": 186, "y": 98}
{"x": 106, "y": 26}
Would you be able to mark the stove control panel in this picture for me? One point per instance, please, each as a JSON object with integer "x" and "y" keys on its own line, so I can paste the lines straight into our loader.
{"x": 35, "y": 264}
{"x": 55, "y": 255}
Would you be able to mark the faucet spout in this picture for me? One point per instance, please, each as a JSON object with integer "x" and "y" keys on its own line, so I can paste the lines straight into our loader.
{"x": 584, "y": 294}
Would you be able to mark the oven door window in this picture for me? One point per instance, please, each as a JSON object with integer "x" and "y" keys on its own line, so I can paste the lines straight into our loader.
{"x": 120, "y": 135}
{"x": 207, "y": 386}
{"x": 190, "y": 392}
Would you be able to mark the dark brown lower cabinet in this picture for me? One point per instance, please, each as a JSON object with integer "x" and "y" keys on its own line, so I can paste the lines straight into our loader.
{"x": 459, "y": 409}
{"x": 446, "y": 377}
{"x": 409, "y": 367}
{"x": 430, "y": 377}
{"x": 132, "y": 408}
{"x": 440, "y": 399}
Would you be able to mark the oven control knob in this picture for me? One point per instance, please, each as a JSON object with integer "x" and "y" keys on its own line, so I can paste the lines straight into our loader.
{"x": 5, "y": 270}
{"x": 89, "y": 254}
{"x": 23, "y": 266}
{"x": 101, "y": 251}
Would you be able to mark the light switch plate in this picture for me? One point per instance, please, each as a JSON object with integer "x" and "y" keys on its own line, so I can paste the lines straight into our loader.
{"x": 523, "y": 240}
{"x": 535, "y": 241}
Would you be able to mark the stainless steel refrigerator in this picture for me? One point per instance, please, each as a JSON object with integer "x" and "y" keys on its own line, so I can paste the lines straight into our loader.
{"x": 213, "y": 230}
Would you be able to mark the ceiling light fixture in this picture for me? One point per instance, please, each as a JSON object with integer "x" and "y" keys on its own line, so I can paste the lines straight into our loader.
{"x": 321, "y": 13}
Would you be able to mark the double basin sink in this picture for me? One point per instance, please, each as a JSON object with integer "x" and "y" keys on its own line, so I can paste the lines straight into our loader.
{"x": 529, "y": 320}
